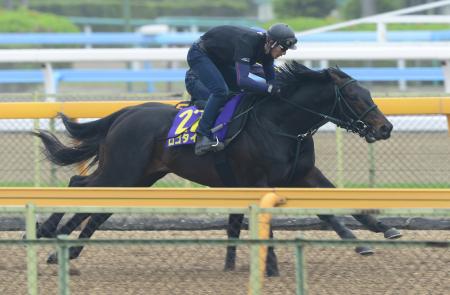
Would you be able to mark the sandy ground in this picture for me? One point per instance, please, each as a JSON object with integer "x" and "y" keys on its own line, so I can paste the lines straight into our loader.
{"x": 146, "y": 269}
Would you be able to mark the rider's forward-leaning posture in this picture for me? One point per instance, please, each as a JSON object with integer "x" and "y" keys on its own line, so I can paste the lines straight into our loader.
{"x": 199, "y": 93}
{"x": 239, "y": 48}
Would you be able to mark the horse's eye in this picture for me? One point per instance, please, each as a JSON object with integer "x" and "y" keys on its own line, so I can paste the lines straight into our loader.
{"x": 354, "y": 93}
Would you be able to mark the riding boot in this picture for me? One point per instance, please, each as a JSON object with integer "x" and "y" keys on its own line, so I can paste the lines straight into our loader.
{"x": 204, "y": 145}
{"x": 206, "y": 142}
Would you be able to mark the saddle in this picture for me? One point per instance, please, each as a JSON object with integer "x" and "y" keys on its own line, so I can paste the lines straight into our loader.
{"x": 228, "y": 125}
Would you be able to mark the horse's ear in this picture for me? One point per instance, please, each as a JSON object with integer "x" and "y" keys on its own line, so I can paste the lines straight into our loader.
{"x": 334, "y": 75}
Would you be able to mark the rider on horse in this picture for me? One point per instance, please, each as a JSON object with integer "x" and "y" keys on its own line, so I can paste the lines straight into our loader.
{"x": 229, "y": 47}
{"x": 200, "y": 94}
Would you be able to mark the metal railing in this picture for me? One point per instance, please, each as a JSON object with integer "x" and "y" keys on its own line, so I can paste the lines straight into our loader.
{"x": 256, "y": 244}
{"x": 437, "y": 107}
{"x": 98, "y": 109}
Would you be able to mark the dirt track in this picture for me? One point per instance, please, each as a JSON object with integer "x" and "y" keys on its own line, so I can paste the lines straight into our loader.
{"x": 198, "y": 270}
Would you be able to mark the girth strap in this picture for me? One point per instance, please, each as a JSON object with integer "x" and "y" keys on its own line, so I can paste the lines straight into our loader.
{"x": 224, "y": 169}
{"x": 295, "y": 163}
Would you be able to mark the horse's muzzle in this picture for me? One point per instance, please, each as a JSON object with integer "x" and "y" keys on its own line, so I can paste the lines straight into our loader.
{"x": 383, "y": 132}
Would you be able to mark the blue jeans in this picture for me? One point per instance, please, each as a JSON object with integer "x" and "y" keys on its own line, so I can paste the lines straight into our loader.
{"x": 198, "y": 91}
{"x": 195, "y": 87}
{"x": 212, "y": 79}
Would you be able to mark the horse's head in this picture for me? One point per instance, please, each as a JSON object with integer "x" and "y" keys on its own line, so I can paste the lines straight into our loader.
{"x": 356, "y": 109}
{"x": 332, "y": 95}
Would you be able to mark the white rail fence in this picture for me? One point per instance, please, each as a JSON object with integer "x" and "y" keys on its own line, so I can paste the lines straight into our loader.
{"x": 396, "y": 51}
{"x": 396, "y": 16}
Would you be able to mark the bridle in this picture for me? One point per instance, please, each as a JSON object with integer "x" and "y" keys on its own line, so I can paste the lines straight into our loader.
{"x": 351, "y": 122}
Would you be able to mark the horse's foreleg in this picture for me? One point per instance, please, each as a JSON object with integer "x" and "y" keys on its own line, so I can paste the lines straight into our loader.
{"x": 233, "y": 231}
{"x": 373, "y": 224}
{"x": 315, "y": 178}
{"x": 94, "y": 223}
{"x": 344, "y": 233}
{"x": 340, "y": 228}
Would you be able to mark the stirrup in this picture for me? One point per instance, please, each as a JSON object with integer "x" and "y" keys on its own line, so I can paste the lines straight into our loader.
{"x": 217, "y": 142}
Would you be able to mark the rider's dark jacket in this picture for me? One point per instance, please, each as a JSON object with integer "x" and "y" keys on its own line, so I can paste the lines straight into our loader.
{"x": 239, "y": 47}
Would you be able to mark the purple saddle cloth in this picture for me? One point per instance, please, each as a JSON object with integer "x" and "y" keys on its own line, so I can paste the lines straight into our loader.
{"x": 186, "y": 122}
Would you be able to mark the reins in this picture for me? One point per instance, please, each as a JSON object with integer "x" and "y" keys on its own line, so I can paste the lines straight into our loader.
{"x": 353, "y": 123}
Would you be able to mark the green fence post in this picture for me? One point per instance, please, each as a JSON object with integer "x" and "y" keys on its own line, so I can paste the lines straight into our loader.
{"x": 371, "y": 165}
{"x": 254, "y": 287}
{"x": 36, "y": 149}
{"x": 300, "y": 269}
{"x": 53, "y": 178}
{"x": 30, "y": 227}
{"x": 63, "y": 265}
{"x": 339, "y": 158}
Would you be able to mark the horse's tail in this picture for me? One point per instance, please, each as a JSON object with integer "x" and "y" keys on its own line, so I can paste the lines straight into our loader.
{"x": 87, "y": 136}
{"x": 97, "y": 128}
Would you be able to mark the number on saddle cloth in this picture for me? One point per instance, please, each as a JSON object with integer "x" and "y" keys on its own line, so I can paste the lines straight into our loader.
{"x": 185, "y": 123}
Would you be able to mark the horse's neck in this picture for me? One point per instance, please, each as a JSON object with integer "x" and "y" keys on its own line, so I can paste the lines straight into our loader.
{"x": 291, "y": 118}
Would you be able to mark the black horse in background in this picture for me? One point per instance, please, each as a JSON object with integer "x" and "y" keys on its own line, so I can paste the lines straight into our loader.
{"x": 275, "y": 148}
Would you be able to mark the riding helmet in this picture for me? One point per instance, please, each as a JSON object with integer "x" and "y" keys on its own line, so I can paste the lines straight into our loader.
{"x": 283, "y": 35}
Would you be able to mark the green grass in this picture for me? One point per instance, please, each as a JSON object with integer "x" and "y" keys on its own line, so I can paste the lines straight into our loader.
{"x": 31, "y": 184}
{"x": 167, "y": 183}
{"x": 399, "y": 185}
{"x": 26, "y": 21}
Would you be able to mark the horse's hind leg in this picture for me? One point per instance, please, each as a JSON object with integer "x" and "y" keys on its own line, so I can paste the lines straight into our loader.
{"x": 271, "y": 262}
{"x": 93, "y": 224}
{"x": 48, "y": 229}
{"x": 96, "y": 220}
{"x": 233, "y": 232}
{"x": 73, "y": 223}
{"x": 373, "y": 224}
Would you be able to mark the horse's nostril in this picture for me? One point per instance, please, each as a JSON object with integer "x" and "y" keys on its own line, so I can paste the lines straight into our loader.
{"x": 385, "y": 130}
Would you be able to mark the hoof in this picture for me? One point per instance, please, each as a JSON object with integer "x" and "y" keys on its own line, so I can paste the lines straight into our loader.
{"x": 272, "y": 273}
{"x": 52, "y": 258}
{"x": 74, "y": 252}
{"x": 74, "y": 272}
{"x": 45, "y": 235}
{"x": 229, "y": 267}
{"x": 392, "y": 233}
{"x": 364, "y": 250}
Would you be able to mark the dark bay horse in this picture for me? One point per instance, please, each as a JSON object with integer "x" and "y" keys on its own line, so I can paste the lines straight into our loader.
{"x": 275, "y": 148}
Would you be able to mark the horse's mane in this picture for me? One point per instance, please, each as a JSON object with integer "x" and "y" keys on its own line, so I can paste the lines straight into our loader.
{"x": 293, "y": 74}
